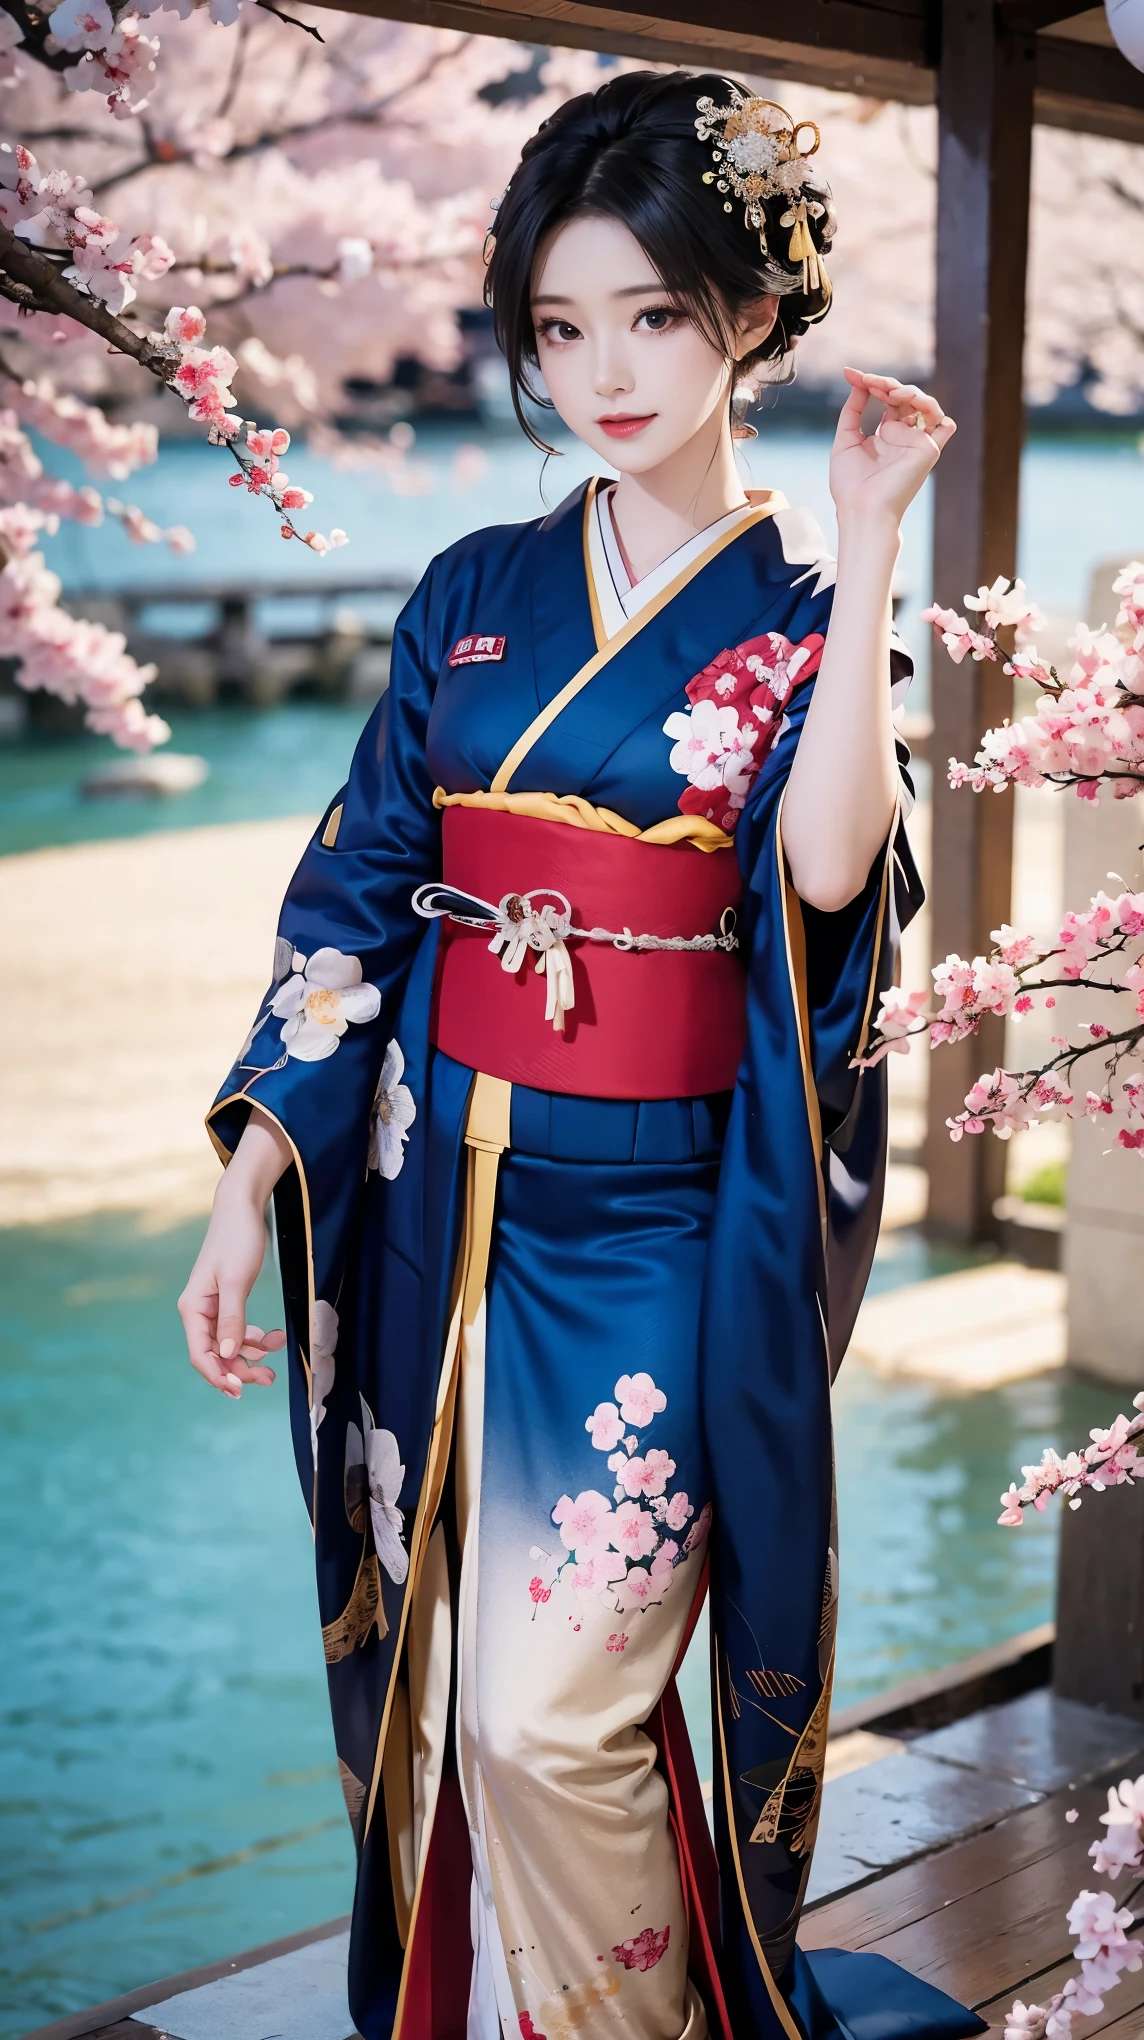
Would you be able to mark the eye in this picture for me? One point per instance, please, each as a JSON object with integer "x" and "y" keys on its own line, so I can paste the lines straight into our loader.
{"x": 558, "y": 330}
{"x": 656, "y": 319}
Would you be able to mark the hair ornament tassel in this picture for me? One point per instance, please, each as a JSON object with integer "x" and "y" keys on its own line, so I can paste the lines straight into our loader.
{"x": 758, "y": 153}
{"x": 802, "y": 248}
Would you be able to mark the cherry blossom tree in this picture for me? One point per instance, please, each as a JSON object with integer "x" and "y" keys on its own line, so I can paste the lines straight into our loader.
{"x": 319, "y": 185}
{"x": 1085, "y": 737}
{"x": 267, "y": 170}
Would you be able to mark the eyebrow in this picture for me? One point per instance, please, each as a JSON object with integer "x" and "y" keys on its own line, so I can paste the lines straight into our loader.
{"x": 631, "y": 290}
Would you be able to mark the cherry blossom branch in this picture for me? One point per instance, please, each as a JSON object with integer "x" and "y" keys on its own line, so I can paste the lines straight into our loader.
{"x": 1103, "y": 1948}
{"x": 30, "y": 279}
{"x": 65, "y": 420}
{"x": 1086, "y": 729}
{"x": 1011, "y": 981}
{"x": 80, "y": 661}
{"x": 1109, "y": 1460}
{"x": 53, "y": 207}
{"x": 285, "y": 134}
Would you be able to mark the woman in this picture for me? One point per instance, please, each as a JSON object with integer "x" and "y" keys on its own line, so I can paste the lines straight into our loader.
{"x": 566, "y": 1261}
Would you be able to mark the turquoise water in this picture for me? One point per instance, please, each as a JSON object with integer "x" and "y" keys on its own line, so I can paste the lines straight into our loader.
{"x": 168, "y": 1792}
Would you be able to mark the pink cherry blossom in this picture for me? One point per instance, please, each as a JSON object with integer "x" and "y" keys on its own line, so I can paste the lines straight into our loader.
{"x": 632, "y": 1531}
{"x": 594, "y": 1574}
{"x": 585, "y": 1523}
{"x": 1014, "y": 948}
{"x": 1005, "y": 604}
{"x": 678, "y": 1510}
{"x": 606, "y": 1427}
{"x": 1025, "y": 2022}
{"x": 647, "y": 1474}
{"x": 185, "y": 325}
{"x": 639, "y": 1398}
{"x": 82, "y": 24}
{"x": 636, "y": 1589}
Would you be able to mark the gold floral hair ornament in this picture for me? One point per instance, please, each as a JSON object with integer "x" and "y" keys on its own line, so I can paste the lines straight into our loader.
{"x": 758, "y": 153}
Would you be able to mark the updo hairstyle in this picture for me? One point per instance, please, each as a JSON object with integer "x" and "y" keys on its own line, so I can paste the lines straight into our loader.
{"x": 629, "y": 152}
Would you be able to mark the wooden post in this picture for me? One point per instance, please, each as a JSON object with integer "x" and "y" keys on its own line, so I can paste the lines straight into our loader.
{"x": 985, "y": 113}
{"x": 1098, "y": 1656}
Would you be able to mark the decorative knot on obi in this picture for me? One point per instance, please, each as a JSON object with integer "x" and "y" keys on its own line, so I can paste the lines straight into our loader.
{"x": 521, "y": 925}
{"x": 650, "y": 1014}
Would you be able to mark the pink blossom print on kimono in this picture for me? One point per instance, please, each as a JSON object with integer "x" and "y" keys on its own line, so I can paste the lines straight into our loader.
{"x": 593, "y": 1534}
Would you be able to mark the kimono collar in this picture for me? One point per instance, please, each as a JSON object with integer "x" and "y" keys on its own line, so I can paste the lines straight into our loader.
{"x": 613, "y": 595}
{"x": 650, "y": 659}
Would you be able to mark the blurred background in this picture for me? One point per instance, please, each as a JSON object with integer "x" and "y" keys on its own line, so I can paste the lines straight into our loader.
{"x": 168, "y": 1791}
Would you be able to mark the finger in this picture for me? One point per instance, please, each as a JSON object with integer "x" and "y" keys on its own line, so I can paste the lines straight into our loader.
{"x": 198, "y": 1308}
{"x": 203, "y": 1358}
{"x": 849, "y": 429}
{"x": 239, "y": 1370}
{"x": 231, "y": 1319}
{"x": 915, "y": 407}
{"x": 266, "y": 1342}
{"x": 876, "y": 384}
{"x": 857, "y": 398}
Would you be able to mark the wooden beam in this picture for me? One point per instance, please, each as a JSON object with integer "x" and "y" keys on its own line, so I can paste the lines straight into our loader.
{"x": 1029, "y": 17}
{"x": 985, "y": 117}
{"x": 756, "y": 40}
{"x": 845, "y": 46}
{"x": 1087, "y": 88}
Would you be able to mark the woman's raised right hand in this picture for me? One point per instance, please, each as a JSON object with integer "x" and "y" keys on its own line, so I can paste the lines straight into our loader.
{"x": 221, "y": 1345}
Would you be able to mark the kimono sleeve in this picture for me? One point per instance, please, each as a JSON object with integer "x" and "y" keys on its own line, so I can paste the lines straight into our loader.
{"x": 347, "y": 937}
{"x": 836, "y": 965}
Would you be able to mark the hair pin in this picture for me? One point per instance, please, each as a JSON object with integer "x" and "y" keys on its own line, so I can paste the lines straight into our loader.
{"x": 758, "y": 154}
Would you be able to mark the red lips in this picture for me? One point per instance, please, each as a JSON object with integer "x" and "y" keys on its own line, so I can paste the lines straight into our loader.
{"x": 622, "y": 425}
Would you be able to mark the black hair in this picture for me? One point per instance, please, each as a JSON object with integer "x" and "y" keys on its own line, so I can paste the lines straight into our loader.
{"x": 629, "y": 152}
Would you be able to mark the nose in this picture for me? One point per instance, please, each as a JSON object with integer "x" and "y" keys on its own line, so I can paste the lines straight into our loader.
{"x": 614, "y": 376}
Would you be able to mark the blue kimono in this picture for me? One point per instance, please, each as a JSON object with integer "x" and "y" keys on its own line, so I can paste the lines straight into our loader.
{"x": 560, "y": 1363}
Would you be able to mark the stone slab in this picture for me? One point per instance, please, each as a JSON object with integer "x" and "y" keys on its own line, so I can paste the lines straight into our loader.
{"x": 899, "y": 1808}
{"x": 969, "y": 1331}
{"x": 1038, "y": 1740}
{"x": 301, "y": 1996}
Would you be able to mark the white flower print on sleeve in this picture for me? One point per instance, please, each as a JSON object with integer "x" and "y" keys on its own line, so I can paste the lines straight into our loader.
{"x": 373, "y": 1467}
{"x": 323, "y": 1346}
{"x": 319, "y": 1001}
{"x": 286, "y": 959}
{"x": 392, "y": 1116}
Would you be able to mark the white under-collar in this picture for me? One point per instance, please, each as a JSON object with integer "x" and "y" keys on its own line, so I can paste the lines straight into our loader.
{"x": 617, "y": 596}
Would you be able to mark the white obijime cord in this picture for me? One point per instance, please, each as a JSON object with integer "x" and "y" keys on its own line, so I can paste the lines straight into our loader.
{"x": 520, "y": 925}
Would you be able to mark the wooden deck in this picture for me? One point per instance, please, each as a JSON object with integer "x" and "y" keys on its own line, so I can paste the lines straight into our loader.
{"x": 985, "y": 1919}
{"x": 943, "y": 1845}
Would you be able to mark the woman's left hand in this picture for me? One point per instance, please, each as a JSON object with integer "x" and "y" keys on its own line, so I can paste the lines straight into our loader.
{"x": 877, "y": 475}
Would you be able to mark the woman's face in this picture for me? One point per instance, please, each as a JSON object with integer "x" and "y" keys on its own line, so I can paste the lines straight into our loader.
{"x": 626, "y": 368}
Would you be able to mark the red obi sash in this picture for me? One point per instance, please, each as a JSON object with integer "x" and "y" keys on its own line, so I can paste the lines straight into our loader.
{"x": 655, "y": 1023}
